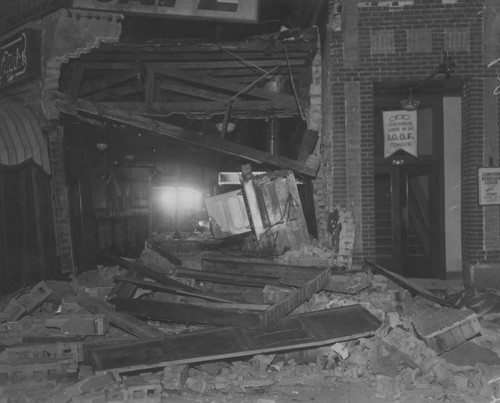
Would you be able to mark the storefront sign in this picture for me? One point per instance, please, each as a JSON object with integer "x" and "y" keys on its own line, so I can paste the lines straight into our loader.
{"x": 400, "y": 132}
{"x": 20, "y": 58}
{"x": 17, "y": 12}
{"x": 489, "y": 186}
{"x": 219, "y": 10}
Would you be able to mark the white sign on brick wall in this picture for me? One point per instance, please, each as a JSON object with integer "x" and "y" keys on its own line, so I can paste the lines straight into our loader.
{"x": 400, "y": 132}
{"x": 489, "y": 186}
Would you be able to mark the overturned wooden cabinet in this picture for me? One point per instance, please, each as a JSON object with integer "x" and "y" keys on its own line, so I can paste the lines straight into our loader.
{"x": 228, "y": 214}
{"x": 275, "y": 212}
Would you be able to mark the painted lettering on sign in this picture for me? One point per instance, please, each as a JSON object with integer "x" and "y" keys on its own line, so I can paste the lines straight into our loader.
{"x": 13, "y": 60}
{"x": 489, "y": 186}
{"x": 223, "y": 10}
{"x": 20, "y": 57}
{"x": 400, "y": 132}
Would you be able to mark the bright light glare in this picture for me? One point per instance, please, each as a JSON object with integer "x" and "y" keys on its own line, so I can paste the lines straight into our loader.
{"x": 167, "y": 198}
{"x": 189, "y": 199}
{"x": 186, "y": 199}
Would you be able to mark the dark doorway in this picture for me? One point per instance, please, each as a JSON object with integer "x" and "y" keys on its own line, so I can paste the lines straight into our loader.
{"x": 409, "y": 200}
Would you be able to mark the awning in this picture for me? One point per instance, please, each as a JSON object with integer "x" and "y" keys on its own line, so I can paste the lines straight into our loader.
{"x": 21, "y": 137}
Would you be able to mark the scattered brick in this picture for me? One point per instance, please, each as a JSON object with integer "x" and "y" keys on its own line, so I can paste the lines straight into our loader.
{"x": 83, "y": 325}
{"x": 445, "y": 328}
{"x": 174, "y": 376}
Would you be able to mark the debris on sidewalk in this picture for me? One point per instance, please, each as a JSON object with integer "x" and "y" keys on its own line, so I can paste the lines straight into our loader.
{"x": 25, "y": 302}
{"x": 443, "y": 328}
{"x": 205, "y": 322}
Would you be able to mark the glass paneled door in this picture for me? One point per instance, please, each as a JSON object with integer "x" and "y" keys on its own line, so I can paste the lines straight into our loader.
{"x": 407, "y": 219}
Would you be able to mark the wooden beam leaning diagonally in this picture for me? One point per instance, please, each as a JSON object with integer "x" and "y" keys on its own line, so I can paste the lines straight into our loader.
{"x": 128, "y": 323}
{"x": 100, "y": 112}
{"x": 254, "y": 108}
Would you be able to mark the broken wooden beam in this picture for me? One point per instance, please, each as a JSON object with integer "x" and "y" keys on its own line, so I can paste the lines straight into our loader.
{"x": 127, "y": 323}
{"x": 223, "y": 278}
{"x": 153, "y": 245}
{"x": 225, "y": 316}
{"x": 181, "y": 312}
{"x": 116, "y": 114}
{"x": 409, "y": 285}
{"x": 308, "y": 144}
{"x": 149, "y": 273}
{"x": 81, "y": 325}
{"x": 160, "y": 287}
{"x": 260, "y": 267}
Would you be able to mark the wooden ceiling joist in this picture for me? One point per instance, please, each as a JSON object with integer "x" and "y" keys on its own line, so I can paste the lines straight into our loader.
{"x": 197, "y": 79}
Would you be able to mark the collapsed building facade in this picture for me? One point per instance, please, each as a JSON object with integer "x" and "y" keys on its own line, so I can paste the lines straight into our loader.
{"x": 167, "y": 133}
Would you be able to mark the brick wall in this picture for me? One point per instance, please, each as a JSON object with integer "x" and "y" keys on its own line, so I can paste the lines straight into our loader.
{"x": 401, "y": 41}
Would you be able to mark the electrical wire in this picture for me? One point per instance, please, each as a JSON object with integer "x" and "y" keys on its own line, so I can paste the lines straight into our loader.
{"x": 293, "y": 84}
{"x": 288, "y": 204}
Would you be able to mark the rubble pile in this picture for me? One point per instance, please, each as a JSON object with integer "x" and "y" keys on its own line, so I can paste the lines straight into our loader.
{"x": 418, "y": 346}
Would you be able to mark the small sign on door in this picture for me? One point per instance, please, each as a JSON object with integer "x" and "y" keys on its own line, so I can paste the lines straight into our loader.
{"x": 489, "y": 186}
{"x": 400, "y": 132}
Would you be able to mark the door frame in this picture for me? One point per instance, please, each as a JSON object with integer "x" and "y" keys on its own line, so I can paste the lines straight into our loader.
{"x": 387, "y": 97}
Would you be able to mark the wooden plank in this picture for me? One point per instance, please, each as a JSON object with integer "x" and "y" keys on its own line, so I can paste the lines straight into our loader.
{"x": 76, "y": 80}
{"x": 239, "y": 305}
{"x": 145, "y": 271}
{"x": 257, "y": 267}
{"x": 240, "y": 48}
{"x": 408, "y": 284}
{"x": 127, "y": 323}
{"x": 297, "y": 297}
{"x": 106, "y": 81}
{"x": 308, "y": 144}
{"x": 172, "y": 290}
{"x": 149, "y": 126}
{"x": 221, "y": 84}
{"x": 247, "y": 107}
{"x": 154, "y": 245}
{"x": 154, "y": 275}
{"x": 236, "y": 75}
{"x": 244, "y": 281}
{"x": 181, "y": 312}
{"x": 308, "y": 330}
{"x": 191, "y": 65}
{"x": 193, "y": 91}
{"x": 200, "y": 53}
{"x": 117, "y": 93}
{"x": 123, "y": 289}
{"x": 207, "y": 314}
